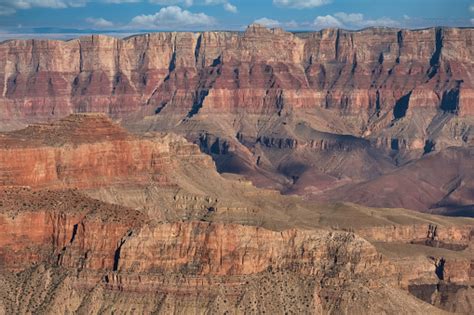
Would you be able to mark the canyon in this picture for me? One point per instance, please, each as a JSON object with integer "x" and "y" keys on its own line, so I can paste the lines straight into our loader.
{"x": 238, "y": 172}
{"x": 97, "y": 219}
{"x": 304, "y": 113}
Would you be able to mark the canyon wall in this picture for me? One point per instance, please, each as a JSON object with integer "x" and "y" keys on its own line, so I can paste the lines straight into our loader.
{"x": 371, "y": 73}
{"x": 60, "y": 227}
{"x": 89, "y": 151}
{"x": 76, "y": 254}
{"x": 302, "y": 113}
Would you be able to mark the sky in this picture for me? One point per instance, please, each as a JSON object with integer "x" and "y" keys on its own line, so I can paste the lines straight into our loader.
{"x": 67, "y": 18}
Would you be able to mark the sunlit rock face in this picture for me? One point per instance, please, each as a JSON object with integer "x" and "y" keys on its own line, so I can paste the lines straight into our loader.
{"x": 258, "y": 71}
{"x": 241, "y": 95}
{"x": 89, "y": 151}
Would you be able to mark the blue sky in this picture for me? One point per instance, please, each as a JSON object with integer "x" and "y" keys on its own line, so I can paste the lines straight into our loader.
{"x": 59, "y": 17}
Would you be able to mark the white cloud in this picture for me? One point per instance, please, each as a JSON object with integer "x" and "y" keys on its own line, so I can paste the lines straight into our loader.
{"x": 230, "y": 7}
{"x": 8, "y": 7}
{"x": 172, "y": 17}
{"x": 186, "y": 3}
{"x": 471, "y": 8}
{"x": 326, "y": 21}
{"x": 383, "y": 21}
{"x": 55, "y": 4}
{"x": 301, "y": 4}
{"x": 351, "y": 20}
{"x": 99, "y": 22}
{"x": 267, "y": 22}
{"x": 472, "y": 21}
{"x": 271, "y": 23}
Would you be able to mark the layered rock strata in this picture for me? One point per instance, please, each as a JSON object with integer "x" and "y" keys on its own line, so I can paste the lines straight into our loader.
{"x": 371, "y": 79}
{"x": 89, "y": 151}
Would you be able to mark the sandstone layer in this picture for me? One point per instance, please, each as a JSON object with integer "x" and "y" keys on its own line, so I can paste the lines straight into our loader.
{"x": 89, "y": 151}
{"x": 259, "y": 71}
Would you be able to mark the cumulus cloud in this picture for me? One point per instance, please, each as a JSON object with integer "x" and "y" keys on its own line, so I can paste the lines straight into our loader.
{"x": 271, "y": 23}
{"x": 229, "y": 7}
{"x": 292, "y": 24}
{"x": 351, "y": 20}
{"x": 4, "y": 10}
{"x": 267, "y": 22}
{"x": 172, "y": 17}
{"x": 99, "y": 22}
{"x": 8, "y": 7}
{"x": 326, "y": 21}
{"x": 357, "y": 20}
{"x": 186, "y": 3}
{"x": 301, "y": 4}
{"x": 471, "y": 8}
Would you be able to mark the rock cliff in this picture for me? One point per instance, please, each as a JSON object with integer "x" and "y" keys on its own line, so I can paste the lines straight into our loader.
{"x": 300, "y": 112}
{"x": 89, "y": 151}
{"x": 373, "y": 73}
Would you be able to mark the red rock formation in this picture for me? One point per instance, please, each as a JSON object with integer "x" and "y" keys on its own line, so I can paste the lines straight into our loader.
{"x": 260, "y": 71}
{"x": 88, "y": 151}
{"x": 406, "y": 92}
{"x": 216, "y": 249}
{"x": 412, "y": 233}
{"x": 62, "y": 227}
{"x": 452, "y": 238}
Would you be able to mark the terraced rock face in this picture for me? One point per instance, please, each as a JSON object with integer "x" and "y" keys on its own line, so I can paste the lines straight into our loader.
{"x": 371, "y": 73}
{"x": 304, "y": 113}
{"x": 71, "y": 253}
{"x": 89, "y": 151}
{"x": 160, "y": 230}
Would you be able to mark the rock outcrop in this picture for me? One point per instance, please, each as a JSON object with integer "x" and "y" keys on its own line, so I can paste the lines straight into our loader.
{"x": 372, "y": 78}
{"x": 89, "y": 151}
{"x": 61, "y": 227}
{"x": 76, "y": 254}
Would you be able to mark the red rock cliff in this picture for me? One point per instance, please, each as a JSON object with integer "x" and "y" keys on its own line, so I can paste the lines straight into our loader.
{"x": 88, "y": 151}
{"x": 368, "y": 72}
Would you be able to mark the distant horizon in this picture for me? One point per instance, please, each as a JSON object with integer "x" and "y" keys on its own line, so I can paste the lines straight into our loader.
{"x": 65, "y": 35}
{"x": 54, "y": 19}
